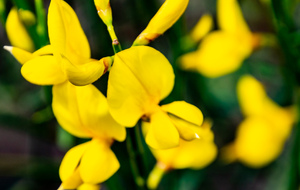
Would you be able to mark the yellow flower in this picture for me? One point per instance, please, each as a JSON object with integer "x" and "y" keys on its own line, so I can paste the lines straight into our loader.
{"x": 67, "y": 57}
{"x": 165, "y": 17}
{"x": 254, "y": 101}
{"x": 222, "y": 52}
{"x": 89, "y": 163}
{"x": 261, "y": 136}
{"x": 194, "y": 154}
{"x": 17, "y": 33}
{"x": 83, "y": 111}
{"x": 140, "y": 78}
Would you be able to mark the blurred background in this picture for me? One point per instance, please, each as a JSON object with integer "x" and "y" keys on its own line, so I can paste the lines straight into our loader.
{"x": 32, "y": 144}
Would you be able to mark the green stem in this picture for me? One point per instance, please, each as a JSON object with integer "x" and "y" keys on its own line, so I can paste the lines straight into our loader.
{"x": 116, "y": 46}
{"x": 141, "y": 148}
{"x": 285, "y": 31}
{"x": 115, "y": 42}
{"x": 139, "y": 180}
{"x": 2, "y": 12}
{"x": 41, "y": 27}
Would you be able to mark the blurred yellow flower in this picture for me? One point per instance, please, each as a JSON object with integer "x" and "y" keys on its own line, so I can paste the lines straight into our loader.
{"x": 17, "y": 33}
{"x": 261, "y": 136}
{"x": 68, "y": 55}
{"x": 222, "y": 52}
{"x": 194, "y": 154}
{"x": 92, "y": 162}
{"x": 139, "y": 79}
{"x": 165, "y": 17}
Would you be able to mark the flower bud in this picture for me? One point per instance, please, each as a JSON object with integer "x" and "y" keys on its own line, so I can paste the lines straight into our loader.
{"x": 165, "y": 17}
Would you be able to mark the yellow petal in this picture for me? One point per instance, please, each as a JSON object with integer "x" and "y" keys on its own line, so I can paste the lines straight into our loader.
{"x": 72, "y": 182}
{"x": 56, "y": 27}
{"x": 65, "y": 32}
{"x": 96, "y": 118}
{"x": 139, "y": 79}
{"x": 221, "y": 53}
{"x": 98, "y": 163}
{"x": 251, "y": 95}
{"x": 186, "y": 117}
{"x": 73, "y": 110}
{"x": 17, "y": 33}
{"x": 257, "y": 142}
{"x": 87, "y": 186}
{"x": 165, "y": 17}
{"x": 204, "y": 25}
{"x": 21, "y": 55}
{"x": 43, "y": 70}
{"x": 230, "y": 17}
{"x": 189, "y": 154}
{"x": 195, "y": 154}
{"x": 162, "y": 133}
{"x": 71, "y": 160}
{"x": 46, "y": 50}
{"x": 185, "y": 111}
{"x": 84, "y": 74}
{"x": 187, "y": 131}
{"x": 66, "y": 111}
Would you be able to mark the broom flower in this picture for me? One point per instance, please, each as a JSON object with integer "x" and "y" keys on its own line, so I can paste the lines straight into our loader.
{"x": 149, "y": 79}
{"x": 92, "y": 162}
{"x": 223, "y": 51}
{"x": 261, "y": 136}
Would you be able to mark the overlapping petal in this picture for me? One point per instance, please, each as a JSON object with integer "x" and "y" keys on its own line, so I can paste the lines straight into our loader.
{"x": 139, "y": 79}
{"x": 71, "y": 160}
{"x": 43, "y": 70}
{"x": 84, "y": 74}
{"x": 66, "y": 111}
{"x": 73, "y": 110}
{"x": 89, "y": 163}
{"x": 65, "y": 32}
{"x": 98, "y": 163}
{"x": 189, "y": 154}
{"x": 162, "y": 133}
{"x": 186, "y": 117}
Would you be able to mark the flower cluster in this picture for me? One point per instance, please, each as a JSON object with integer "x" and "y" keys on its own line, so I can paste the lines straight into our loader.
{"x": 139, "y": 78}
